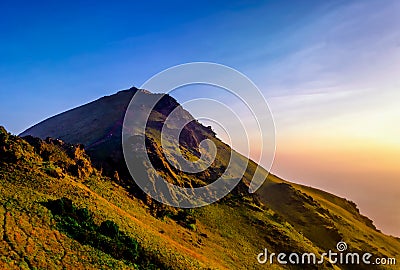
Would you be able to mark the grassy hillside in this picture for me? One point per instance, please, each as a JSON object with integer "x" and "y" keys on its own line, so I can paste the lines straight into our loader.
{"x": 36, "y": 232}
{"x": 111, "y": 223}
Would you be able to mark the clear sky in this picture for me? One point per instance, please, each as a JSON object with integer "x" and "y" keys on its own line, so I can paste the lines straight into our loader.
{"x": 329, "y": 70}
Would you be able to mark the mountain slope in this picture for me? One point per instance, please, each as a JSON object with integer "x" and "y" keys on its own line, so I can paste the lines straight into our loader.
{"x": 35, "y": 174}
{"x": 281, "y": 216}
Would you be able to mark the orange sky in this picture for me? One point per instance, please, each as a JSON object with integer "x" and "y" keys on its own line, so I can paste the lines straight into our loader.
{"x": 344, "y": 148}
{"x": 342, "y": 141}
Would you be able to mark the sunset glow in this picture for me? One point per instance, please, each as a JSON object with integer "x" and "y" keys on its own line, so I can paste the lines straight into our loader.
{"x": 328, "y": 69}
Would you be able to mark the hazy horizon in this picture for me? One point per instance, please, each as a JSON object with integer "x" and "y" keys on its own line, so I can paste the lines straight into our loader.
{"x": 329, "y": 72}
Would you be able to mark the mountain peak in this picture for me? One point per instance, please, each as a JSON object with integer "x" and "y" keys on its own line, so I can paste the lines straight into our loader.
{"x": 98, "y": 126}
{"x": 280, "y": 216}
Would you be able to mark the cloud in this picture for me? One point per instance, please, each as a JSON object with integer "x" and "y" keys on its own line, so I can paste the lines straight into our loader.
{"x": 354, "y": 46}
{"x": 334, "y": 99}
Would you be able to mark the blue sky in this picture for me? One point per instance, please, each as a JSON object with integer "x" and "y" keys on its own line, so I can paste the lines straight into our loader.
{"x": 329, "y": 70}
{"x": 56, "y": 55}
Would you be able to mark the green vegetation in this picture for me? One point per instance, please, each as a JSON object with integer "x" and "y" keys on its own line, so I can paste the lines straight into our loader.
{"x": 78, "y": 224}
{"x": 111, "y": 224}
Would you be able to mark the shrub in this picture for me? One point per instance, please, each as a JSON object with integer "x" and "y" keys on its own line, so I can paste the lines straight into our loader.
{"x": 78, "y": 224}
{"x": 192, "y": 227}
{"x": 109, "y": 228}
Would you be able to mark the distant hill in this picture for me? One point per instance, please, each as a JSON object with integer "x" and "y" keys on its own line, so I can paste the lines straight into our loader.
{"x": 67, "y": 200}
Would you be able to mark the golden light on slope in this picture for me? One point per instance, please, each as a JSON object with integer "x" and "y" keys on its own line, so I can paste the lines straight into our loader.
{"x": 345, "y": 143}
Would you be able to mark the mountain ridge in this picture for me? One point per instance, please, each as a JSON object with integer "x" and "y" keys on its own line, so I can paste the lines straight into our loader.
{"x": 282, "y": 216}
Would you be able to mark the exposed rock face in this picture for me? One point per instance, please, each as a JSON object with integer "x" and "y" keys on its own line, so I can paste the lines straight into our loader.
{"x": 98, "y": 126}
{"x": 67, "y": 158}
{"x": 14, "y": 150}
